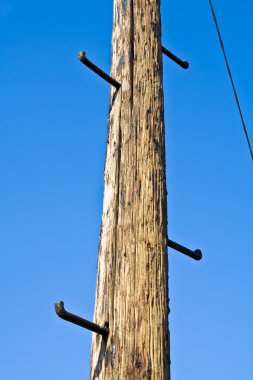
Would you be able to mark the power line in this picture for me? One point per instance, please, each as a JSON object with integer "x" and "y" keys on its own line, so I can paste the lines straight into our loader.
{"x": 231, "y": 79}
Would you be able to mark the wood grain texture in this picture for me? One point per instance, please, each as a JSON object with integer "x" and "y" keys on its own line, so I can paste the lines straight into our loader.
{"x": 132, "y": 278}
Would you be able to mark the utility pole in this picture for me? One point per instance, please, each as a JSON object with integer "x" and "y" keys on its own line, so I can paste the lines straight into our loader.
{"x": 132, "y": 278}
{"x": 131, "y": 339}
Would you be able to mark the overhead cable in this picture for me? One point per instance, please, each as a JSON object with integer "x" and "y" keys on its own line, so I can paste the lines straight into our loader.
{"x": 231, "y": 79}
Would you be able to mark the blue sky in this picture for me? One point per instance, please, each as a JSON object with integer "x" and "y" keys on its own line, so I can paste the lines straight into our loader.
{"x": 52, "y": 148}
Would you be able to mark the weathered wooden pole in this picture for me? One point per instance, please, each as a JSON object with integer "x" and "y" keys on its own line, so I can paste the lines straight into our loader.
{"x": 132, "y": 279}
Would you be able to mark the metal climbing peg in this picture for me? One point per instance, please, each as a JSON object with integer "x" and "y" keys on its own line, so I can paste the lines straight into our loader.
{"x": 82, "y": 57}
{"x": 64, "y": 314}
{"x": 196, "y": 255}
{"x": 183, "y": 64}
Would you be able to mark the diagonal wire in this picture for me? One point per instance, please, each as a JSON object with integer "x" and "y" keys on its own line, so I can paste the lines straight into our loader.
{"x": 231, "y": 79}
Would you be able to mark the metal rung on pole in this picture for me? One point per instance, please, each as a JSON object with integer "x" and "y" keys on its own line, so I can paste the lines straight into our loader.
{"x": 183, "y": 64}
{"x": 64, "y": 314}
{"x": 82, "y": 57}
{"x": 196, "y": 255}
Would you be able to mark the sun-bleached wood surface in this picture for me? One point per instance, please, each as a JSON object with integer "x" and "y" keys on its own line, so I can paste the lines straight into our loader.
{"x": 132, "y": 278}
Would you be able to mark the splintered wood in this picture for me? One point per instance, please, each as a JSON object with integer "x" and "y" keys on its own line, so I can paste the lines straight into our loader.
{"x": 132, "y": 278}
